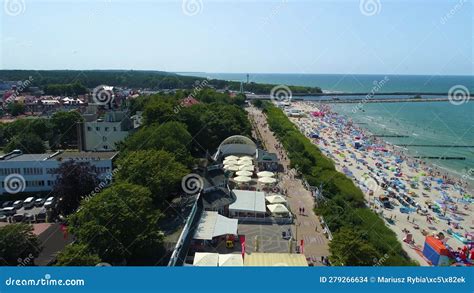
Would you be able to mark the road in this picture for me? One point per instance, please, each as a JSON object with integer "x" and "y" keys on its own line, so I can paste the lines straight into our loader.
{"x": 308, "y": 227}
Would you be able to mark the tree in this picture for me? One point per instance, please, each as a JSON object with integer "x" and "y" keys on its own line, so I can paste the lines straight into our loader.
{"x": 28, "y": 143}
{"x": 16, "y": 109}
{"x": 210, "y": 124}
{"x": 257, "y": 103}
{"x": 157, "y": 170}
{"x": 120, "y": 224}
{"x": 18, "y": 244}
{"x": 159, "y": 110}
{"x": 170, "y": 136}
{"x": 350, "y": 248}
{"x": 75, "y": 181}
{"x": 65, "y": 129}
{"x": 77, "y": 254}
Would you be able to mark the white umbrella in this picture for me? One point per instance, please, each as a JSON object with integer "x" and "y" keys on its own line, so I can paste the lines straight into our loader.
{"x": 206, "y": 259}
{"x": 277, "y": 208}
{"x": 244, "y": 173}
{"x": 246, "y": 168}
{"x": 245, "y": 163}
{"x": 231, "y": 167}
{"x": 242, "y": 179}
{"x": 230, "y": 162}
{"x": 230, "y": 260}
{"x": 246, "y": 158}
{"x": 265, "y": 174}
{"x": 231, "y": 157}
{"x": 275, "y": 199}
{"x": 266, "y": 180}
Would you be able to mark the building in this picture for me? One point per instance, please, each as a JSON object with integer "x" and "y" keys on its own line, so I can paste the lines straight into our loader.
{"x": 103, "y": 134}
{"x": 37, "y": 172}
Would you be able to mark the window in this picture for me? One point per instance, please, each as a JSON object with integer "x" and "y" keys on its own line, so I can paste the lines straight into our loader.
{"x": 106, "y": 147}
{"x": 104, "y": 138}
{"x": 115, "y": 128}
{"x": 106, "y": 129}
{"x": 89, "y": 128}
{"x": 97, "y": 128}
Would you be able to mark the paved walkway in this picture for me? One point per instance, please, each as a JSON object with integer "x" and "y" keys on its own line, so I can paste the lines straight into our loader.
{"x": 307, "y": 225}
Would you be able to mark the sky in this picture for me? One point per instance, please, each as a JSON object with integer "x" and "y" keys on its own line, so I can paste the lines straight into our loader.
{"x": 282, "y": 36}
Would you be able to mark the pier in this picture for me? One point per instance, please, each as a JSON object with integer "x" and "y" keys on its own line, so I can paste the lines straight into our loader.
{"x": 334, "y": 98}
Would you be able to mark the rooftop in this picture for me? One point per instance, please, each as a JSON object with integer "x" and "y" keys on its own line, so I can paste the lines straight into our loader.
{"x": 61, "y": 155}
{"x": 248, "y": 200}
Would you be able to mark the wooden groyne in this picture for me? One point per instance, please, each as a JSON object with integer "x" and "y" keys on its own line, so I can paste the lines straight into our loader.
{"x": 390, "y": 135}
{"x": 440, "y": 158}
{"x": 436, "y": 145}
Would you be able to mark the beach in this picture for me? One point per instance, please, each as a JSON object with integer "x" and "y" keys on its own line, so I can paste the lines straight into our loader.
{"x": 414, "y": 198}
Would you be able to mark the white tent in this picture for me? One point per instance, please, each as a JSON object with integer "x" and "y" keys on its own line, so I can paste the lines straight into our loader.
{"x": 231, "y": 157}
{"x": 242, "y": 179}
{"x": 277, "y": 208}
{"x": 231, "y": 167}
{"x": 265, "y": 174}
{"x": 213, "y": 225}
{"x": 230, "y": 162}
{"x": 275, "y": 199}
{"x": 231, "y": 260}
{"x": 266, "y": 180}
{"x": 244, "y": 173}
{"x": 206, "y": 259}
{"x": 246, "y": 168}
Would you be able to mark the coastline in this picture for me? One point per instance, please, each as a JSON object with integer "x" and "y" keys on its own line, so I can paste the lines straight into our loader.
{"x": 330, "y": 143}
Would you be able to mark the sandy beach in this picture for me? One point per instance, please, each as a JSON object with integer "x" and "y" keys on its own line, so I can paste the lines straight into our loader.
{"x": 414, "y": 198}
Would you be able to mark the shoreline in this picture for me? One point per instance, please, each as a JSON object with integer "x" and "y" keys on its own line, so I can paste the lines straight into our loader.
{"x": 335, "y": 142}
{"x": 450, "y": 173}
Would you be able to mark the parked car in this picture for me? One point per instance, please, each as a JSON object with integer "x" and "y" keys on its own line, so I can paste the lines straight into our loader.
{"x": 7, "y": 203}
{"x": 29, "y": 203}
{"x": 39, "y": 202}
{"x": 49, "y": 203}
{"x": 18, "y": 204}
{"x": 3, "y": 218}
{"x": 41, "y": 215}
{"x": 18, "y": 217}
{"x": 9, "y": 211}
{"x": 28, "y": 217}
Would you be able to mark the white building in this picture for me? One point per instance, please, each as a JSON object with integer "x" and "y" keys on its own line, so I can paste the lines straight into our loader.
{"x": 103, "y": 134}
{"x": 37, "y": 172}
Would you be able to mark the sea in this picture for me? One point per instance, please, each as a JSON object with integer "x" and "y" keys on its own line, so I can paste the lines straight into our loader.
{"x": 439, "y": 129}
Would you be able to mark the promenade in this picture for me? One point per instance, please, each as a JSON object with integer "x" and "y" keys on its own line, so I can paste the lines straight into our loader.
{"x": 307, "y": 226}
